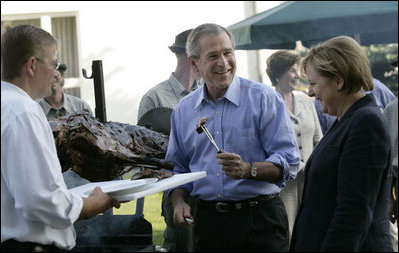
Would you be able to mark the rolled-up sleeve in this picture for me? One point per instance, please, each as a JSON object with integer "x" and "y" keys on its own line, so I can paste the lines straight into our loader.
{"x": 278, "y": 137}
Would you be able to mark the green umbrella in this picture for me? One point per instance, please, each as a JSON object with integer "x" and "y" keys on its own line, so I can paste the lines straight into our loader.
{"x": 370, "y": 22}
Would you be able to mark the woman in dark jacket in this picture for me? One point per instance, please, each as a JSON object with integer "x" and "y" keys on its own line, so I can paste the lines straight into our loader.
{"x": 345, "y": 201}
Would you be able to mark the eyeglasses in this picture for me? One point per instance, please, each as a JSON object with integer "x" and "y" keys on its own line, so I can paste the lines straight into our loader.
{"x": 55, "y": 64}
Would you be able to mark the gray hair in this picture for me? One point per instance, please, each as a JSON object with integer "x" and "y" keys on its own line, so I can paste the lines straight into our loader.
{"x": 192, "y": 45}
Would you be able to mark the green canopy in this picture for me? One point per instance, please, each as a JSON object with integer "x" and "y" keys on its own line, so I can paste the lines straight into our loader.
{"x": 370, "y": 22}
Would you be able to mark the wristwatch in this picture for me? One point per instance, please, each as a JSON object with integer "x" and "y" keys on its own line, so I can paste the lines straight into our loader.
{"x": 254, "y": 170}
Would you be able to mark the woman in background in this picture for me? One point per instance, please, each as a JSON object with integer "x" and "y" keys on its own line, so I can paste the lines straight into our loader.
{"x": 282, "y": 69}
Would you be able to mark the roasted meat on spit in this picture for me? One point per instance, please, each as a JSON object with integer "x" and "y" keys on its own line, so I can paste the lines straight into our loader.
{"x": 101, "y": 152}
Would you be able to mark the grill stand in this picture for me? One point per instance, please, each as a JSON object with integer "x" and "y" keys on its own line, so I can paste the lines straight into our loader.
{"x": 108, "y": 232}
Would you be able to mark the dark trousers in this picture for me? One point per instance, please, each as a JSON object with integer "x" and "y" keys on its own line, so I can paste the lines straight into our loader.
{"x": 16, "y": 246}
{"x": 262, "y": 228}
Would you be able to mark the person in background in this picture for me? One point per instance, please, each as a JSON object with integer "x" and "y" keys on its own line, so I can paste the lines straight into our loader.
{"x": 180, "y": 83}
{"x": 60, "y": 104}
{"x": 37, "y": 210}
{"x": 391, "y": 114}
{"x": 346, "y": 195}
{"x": 381, "y": 93}
{"x": 237, "y": 206}
{"x": 282, "y": 69}
{"x": 168, "y": 94}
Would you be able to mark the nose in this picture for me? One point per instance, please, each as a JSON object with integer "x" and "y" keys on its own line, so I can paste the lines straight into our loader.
{"x": 57, "y": 74}
{"x": 222, "y": 60}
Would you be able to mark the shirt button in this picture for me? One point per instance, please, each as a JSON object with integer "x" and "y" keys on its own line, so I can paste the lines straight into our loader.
{"x": 299, "y": 135}
{"x": 219, "y": 195}
{"x": 300, "y": 147}
{"x": 217, "y": 112}
{"x": 217, "y": 132}
{"x": 218, "y": 174}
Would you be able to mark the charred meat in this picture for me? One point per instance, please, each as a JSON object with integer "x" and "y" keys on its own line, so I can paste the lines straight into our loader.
{"x": 101, "y": 152}
{"x": 150, "y": 173}
{"x": 200, "y": 124}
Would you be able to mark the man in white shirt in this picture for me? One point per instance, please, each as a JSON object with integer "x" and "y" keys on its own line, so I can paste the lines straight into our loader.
{"x": 37, "y": 210}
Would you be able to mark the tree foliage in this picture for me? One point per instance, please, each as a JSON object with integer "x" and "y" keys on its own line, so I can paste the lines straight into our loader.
{"x": 381, "y": 58}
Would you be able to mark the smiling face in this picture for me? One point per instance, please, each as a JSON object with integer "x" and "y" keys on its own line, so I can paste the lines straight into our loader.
{"x": 216, "y": 63}
{"x": 324, "y": 89}
{"x": 289, "y": 80}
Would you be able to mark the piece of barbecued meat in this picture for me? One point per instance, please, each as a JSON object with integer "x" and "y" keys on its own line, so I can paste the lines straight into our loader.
{"x": 150, "y": 173}
{"x": 200, "y": 123}
{"x": 102, "y": 152}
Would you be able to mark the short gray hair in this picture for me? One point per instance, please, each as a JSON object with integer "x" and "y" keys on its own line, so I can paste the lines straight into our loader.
{"x": 192, "y": 45}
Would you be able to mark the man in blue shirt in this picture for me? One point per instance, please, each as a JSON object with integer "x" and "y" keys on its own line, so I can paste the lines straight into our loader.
{"x": 237, "y": 207}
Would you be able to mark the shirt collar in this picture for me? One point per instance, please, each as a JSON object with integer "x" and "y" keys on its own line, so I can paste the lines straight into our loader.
{"x": 232, "y": 94}
{"x": 15, "y": 87}
{"x": 178, "y": 89}
{"x": 368, "y": 99}
{"x": 65, "y": 104}
{"x": 46, "y": 106}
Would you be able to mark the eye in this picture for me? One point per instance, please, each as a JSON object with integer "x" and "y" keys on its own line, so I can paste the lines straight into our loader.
{"x": 228, "y": 53}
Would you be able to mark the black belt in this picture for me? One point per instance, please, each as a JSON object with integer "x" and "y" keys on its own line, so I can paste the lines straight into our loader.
{"x": 16, "y": 246}
{"x": 229, "y": 206}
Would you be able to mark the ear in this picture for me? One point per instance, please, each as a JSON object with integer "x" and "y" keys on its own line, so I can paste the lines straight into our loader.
{"x": 193, "y": 64}
{"x": 30, "y": 66}
{"x": 340, "y": 82}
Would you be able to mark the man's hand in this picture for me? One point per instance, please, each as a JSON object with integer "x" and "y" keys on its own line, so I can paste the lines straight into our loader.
{"x": 233, "y": 166}
{"x": 181, "y": 210}
{"x": 97, "y": 202}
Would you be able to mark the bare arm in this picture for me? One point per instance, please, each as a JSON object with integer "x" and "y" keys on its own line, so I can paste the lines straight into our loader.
{"x": 181, "y": 209}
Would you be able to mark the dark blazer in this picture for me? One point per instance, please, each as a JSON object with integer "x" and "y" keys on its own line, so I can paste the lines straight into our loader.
{"x": 345, "y": 201}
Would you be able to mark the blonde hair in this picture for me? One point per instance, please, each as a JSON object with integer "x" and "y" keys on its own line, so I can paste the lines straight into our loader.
{"x": 341, "y": 57}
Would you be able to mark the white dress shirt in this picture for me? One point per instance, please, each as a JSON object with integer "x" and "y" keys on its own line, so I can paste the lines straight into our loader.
{"x": 35, "y": 203}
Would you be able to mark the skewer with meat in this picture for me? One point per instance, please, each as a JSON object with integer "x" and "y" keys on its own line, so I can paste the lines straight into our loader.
{"x": 202, "y": 128}
{"x": 201, "y": 124}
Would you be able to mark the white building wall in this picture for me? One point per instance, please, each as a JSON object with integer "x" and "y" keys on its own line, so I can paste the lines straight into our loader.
{"x": 132, "y": 39}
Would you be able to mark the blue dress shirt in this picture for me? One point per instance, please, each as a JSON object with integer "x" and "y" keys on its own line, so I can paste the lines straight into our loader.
{"x": 250, "y": 120}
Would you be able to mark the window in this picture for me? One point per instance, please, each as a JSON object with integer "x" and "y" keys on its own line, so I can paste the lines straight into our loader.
{"x": 63, "y": 28}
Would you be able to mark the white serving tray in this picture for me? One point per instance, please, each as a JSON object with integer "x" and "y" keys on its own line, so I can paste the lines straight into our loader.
{"x": 122, "y": 190}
